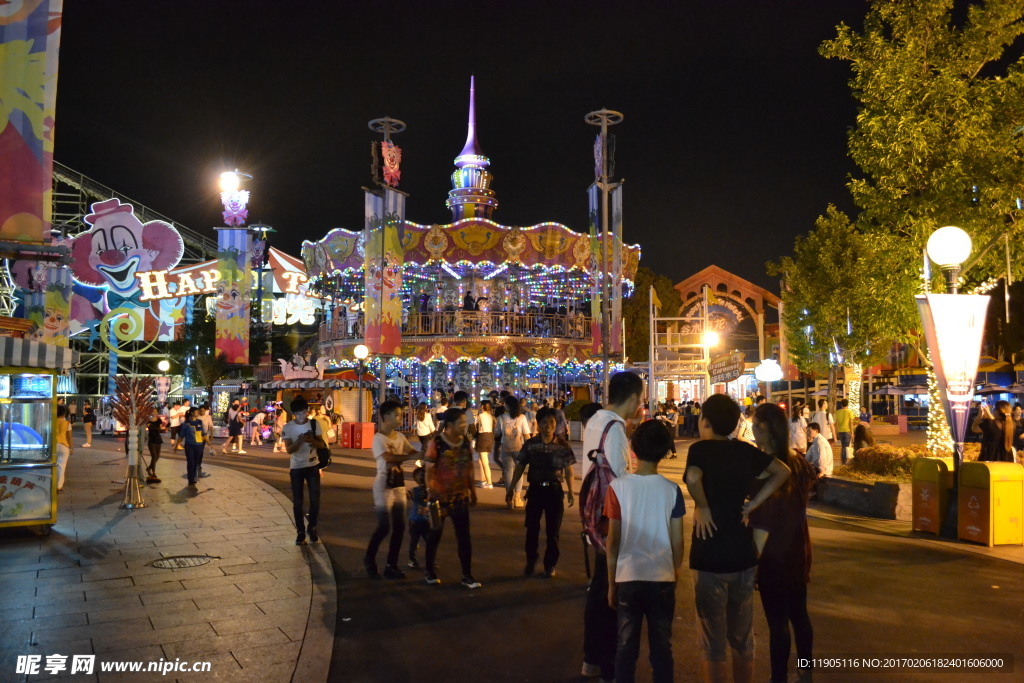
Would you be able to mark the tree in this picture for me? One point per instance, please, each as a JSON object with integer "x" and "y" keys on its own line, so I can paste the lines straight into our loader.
{"x": 198, "y": 342}
{"x": 636, "y": 311}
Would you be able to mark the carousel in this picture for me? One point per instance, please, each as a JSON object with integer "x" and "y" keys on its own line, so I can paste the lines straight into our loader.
{"x": 484, "y": 306}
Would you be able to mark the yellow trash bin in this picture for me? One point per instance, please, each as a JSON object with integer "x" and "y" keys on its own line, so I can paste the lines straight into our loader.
{"x": 931, "y": 481}
{"x": 991, "y": 503}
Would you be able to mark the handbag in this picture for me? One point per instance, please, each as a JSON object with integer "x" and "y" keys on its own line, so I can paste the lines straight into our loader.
{"x": 323, "y": 455}
{"x": 395, "y": 477}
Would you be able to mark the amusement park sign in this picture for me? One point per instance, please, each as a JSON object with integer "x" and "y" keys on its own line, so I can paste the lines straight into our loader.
{"x": 726, "y": 368}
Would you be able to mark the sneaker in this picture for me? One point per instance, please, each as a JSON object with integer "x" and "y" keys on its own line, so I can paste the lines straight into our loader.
{"x": 300, "y": 538}
{"x": 413, "y": 564}
{"x": 313, "y": 537}
{"x": 550, "y": 573}
{"x": 152, "y": 479}
{"x": 590, "y": 670}
{"x": 243, "y": 452}
{"x": 469, "y": 582}
{"x": 393, "y": 572}
{"x": 529, "y": 569}
{"x": 203, "y": 475}
{"x": 371, "y": 568}
{"x": 431, "y": 578}
{"x": 86, "y": 445}
{"x": 487, "y": 486}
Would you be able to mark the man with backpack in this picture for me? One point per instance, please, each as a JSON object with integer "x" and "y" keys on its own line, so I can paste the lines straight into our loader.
{"x": 605, "y": 440}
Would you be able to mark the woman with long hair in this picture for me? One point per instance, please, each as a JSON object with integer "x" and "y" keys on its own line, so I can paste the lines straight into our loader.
{"x": 997, "y": 432}
{"x": 782, "y": 537}
{"x": 513, "y": 430}
{"x": 798, "y": 430}
{"x": 485, "y": 442}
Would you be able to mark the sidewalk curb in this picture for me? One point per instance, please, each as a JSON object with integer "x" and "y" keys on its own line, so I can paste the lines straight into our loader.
{"x": 314, "y": 660}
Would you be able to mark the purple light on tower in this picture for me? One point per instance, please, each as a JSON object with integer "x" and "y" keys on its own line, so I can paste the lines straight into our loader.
{"x": 471, "y": 196}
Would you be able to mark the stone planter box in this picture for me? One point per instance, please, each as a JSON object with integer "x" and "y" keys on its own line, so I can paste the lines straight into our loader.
{"x": 881, "y": 499}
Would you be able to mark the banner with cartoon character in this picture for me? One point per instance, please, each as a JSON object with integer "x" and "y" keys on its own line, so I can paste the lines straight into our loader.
{"x": 50, "y": 307}
{"x": 383, "y": 259}
{"x": 105, "y": 262}
{"x": 233, "y": 293}
{"x": 29, "y": 42}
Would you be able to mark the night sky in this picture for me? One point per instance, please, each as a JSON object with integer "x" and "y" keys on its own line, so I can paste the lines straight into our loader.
{"x": 734, "y": 138}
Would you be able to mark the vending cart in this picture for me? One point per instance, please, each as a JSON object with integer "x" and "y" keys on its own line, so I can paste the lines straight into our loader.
{"x": 28, "y": 457}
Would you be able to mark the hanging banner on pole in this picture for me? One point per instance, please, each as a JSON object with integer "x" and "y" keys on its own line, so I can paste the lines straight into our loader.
{"x": 595, "y": 270}
{"x": 29, "y": 43}
{"x": 615, "y": 343}
{"x": 954, "y": 325}
{"x": 234, "y": 289}
{"x": 384, "y": 256}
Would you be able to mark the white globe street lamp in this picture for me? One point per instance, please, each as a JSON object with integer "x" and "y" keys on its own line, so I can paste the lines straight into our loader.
{"x": 164, "y": 365}
{"x": 360, "y": 352}
{"x": 949, "y": 247}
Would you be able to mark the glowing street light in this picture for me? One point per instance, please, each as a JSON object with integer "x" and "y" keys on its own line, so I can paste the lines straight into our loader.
{"x": 949, "y": 247}
{"x": 229, "y": 181}
{"x": 164, "y": 365}
{"x": 711, "y": 339}
{"x": 360, "y": 352}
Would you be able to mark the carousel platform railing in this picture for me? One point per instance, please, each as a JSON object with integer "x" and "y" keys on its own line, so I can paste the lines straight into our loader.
{"x": 473, "y": 324}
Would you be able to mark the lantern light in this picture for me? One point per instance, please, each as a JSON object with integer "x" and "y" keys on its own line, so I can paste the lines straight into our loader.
{"x": 361, "y": 352}
{"x": 948, "y": 247}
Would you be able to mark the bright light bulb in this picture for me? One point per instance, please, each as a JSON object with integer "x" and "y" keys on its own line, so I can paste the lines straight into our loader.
{"x": 711, "y": 339}
{"x": 949, "y": 246}
{"x": 229, "y": 181}
{"x": 163, "y": 366}
{"x": 361, "y": 352}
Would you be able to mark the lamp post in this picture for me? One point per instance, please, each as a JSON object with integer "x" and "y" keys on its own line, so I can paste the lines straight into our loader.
{"x": 953, "y": 327}
{"x": 709, "y": 340}
{"x": 360, "y": 352}
{"x": 164, "y": 386}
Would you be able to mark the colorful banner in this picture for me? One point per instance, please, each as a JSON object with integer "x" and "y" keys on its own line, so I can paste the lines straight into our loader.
{"x": 954, "y": 325}
{"x": 595, "y": 270}
{"x": 57, "y": 306}
{"x": 29, "y": 43}
{"x": 615, "y": 343}
{"x": 384, "y": 257}
{"x": 234, "y": 288}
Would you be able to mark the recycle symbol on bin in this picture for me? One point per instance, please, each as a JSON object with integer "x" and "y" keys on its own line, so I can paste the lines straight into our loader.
{"x": 973, "y": 503}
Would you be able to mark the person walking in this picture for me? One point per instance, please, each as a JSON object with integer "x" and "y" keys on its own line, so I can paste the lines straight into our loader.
{"x": 798, "y": 431}
{"x": 607, "y": 430}
{"x": 548, "y": 458}
{"x": 485, "y": 443}
{"x": 65, "y": 447}
{"x": 425, "y": 425}
{"x": 304, "y": 470}
{"x": 236, "y": 424}
{"x": 419, "y": 522}
{"x": 190, "y": 433}
{"x": 720, "y": 473}
{"x": 207, "y": 419}
{"x": 844, "y": 421}
{"x": 89, "y": 422}
{"x": 280, "y": 420}
{"x": 154, "y": 441}
{"x": 449, "y": 475}
{"x": 390, "y": 450}
{"x": 256, "y": 422}
{"x": 645, "y": 550}
{"x": 175, "y": 418}
{"x": 784, "y": 546}
{"x": 513, "y": 430}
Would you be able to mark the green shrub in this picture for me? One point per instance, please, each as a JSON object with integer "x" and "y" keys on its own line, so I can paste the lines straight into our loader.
{"x": 572, "y": 411}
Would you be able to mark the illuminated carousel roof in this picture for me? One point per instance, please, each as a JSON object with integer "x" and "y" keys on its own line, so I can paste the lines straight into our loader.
{"x": 472, "y": 244}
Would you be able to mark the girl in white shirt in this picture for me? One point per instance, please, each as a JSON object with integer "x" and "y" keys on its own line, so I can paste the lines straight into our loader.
{"x": 485, "y": 442}
{"x": 514, "y": 431}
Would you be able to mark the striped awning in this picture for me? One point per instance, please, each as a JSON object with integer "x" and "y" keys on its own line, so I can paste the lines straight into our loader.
{"x": 28, "y": 353}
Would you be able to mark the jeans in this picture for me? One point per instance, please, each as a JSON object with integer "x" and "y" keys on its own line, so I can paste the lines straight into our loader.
{"x": 547, "y": 501}
{"x": 654, "y": 601}
{"x": 390, "y": 517}
{"x": 844, "y": 442}
{"x": 309, "y": 476}
{"x": 725, "y": 613}
{"x": 418, "y": 529}
{"x": 193, "y": 460}
{"x": 508, "y": 469}
{"x": 63, "y": 453}
{"x": 460, "y": 520}
{"x": 785, "y": 604}
{"x": 600, "y": 622}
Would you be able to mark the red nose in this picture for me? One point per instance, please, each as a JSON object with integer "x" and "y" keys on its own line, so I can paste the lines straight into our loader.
{"x": 112, "y": 257}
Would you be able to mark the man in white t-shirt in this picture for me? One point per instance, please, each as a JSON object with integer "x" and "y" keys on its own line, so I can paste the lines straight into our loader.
{"x": 825, "y": 420}
{"x": 390, "y": 450}
{"x": 301, "y": 445}
{"x": 600, "y": 627}
{"x": 176, "y": 416}
{"x": 819, "y": 453}
{"x": 645, "y": 549}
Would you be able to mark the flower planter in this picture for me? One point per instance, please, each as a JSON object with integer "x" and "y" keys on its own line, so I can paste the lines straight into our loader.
{"x": 884, "y": 500}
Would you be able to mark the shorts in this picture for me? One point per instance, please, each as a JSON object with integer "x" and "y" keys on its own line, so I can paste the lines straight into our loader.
{"x": 174, "y": 432}
{"x": 234, "y": 429}
{"x": 725, "y": 613}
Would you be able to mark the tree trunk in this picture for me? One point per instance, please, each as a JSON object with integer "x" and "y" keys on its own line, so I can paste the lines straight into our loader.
{"x": 832, "y": 390}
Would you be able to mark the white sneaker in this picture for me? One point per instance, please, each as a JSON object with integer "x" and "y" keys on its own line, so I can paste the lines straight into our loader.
{"x": 590, "y": 670}
{"x": 86, "y": 445}
{"x": 243, "y": 452}
{"x": 488, "y": 486}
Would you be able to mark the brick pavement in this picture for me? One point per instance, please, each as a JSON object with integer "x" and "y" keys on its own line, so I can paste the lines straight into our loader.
{"x": 262, "y": 610}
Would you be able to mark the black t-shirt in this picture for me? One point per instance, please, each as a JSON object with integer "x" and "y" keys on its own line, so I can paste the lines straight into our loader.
{"x": 546, "y": 461}
{"x": 729, "y": 470}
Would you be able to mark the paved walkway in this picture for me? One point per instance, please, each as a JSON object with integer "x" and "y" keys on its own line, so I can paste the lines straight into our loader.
{"x": 262, "y": 609}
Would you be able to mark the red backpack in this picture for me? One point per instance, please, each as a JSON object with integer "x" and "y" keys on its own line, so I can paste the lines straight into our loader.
{"x": 593, "y": 491}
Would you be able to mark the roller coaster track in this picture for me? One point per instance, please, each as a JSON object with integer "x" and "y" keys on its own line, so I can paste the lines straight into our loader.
{"x": 73, "y": 192}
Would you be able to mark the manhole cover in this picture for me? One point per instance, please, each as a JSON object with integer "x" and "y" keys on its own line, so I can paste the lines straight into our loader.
{"x": 182, "y": 561}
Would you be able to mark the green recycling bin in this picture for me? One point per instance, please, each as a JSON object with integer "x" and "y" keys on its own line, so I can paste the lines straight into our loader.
{"x": 991, "y": 503}
{"x": 931, "y": 481}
